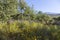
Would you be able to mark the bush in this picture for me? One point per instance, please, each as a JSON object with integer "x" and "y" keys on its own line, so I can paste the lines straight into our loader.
{"x": 27, "y": 30}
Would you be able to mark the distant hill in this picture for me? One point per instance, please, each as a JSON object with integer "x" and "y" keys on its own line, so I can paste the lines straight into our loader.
{"x": 53, "y": 14}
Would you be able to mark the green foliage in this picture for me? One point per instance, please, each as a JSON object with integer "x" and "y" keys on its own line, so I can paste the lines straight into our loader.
{"x": 28, "y": 31}
{"x": 28, "y": 25}
{"x": 8, "y": 8}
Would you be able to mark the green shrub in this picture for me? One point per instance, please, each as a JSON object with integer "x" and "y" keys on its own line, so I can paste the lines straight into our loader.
{"x": 27, "y": 30}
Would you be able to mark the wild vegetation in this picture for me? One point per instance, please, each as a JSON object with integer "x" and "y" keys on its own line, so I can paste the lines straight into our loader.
{"x": 18, "y": 21}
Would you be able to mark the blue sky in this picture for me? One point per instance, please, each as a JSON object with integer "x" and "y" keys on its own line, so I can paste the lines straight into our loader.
{"x": 45, "y": 5}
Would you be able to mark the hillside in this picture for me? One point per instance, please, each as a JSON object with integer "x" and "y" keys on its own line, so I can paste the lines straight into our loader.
{"x": 53, "y": 14}
{"x": 18, "y": 21}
